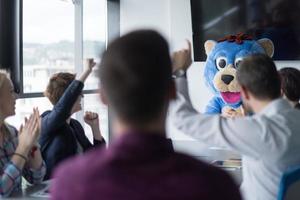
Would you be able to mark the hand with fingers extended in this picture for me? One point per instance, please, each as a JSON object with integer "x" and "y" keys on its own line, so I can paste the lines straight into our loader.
{"x": 29, "y": 132}
{"x": 182, "y": 59}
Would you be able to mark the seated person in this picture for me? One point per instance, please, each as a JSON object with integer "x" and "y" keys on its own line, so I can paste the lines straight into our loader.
{"x": 137, "y": 84}
{"x": 19, "y": 154}
{"x": 290, "y": 85}
{"x": 61, "y": 135}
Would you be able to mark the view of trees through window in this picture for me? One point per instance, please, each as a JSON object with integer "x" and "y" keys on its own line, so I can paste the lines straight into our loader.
{"x": 49, "y": 47}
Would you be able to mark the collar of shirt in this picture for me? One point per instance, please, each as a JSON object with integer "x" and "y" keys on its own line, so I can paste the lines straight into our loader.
{"x": 276, "y": 106}
{"x": 141, "y": 146}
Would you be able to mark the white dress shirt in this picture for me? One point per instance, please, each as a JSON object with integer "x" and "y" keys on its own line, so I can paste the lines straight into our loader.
{"x": 269, "y": 141}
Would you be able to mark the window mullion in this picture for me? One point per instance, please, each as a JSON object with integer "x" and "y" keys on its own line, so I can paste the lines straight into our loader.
{"x": 78, "y": 6}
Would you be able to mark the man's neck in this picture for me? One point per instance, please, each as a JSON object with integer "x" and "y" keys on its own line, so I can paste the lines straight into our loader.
{"x": 157, "y": 127}
{"x": 293, "y": 103}
{"x": 259, "y": 105}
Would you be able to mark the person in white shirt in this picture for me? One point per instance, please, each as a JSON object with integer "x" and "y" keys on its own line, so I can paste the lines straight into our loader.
{"x": 269, "y": 140}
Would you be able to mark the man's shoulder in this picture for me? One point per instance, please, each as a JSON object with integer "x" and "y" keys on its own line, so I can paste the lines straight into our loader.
{"x": 198, "y": 173}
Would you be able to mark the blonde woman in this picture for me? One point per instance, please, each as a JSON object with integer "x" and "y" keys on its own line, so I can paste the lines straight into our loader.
{"x": 19, "y": 155}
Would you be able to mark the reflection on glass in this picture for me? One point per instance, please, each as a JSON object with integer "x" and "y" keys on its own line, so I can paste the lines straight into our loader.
{"x": 94, "y": 34}
{"x": 275, "y": 20}
{"x": 48, "y": 41}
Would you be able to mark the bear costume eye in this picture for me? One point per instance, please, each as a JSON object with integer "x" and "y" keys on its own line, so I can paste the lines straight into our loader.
{"x": 237, "y": 62}
{"x": 221, "y": 62}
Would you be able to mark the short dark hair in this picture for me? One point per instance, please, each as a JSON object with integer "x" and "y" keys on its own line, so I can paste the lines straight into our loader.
{"x": 290, "y": 83}
{"x": 136, "y": 74}
{"x": 259, "y": 75}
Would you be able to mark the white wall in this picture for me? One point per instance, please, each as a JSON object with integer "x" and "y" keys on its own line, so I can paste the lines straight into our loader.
{"x": 172, "y": 18}
{"x": 154, "y": 14}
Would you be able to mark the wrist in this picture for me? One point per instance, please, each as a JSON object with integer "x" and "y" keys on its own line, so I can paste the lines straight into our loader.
{"x": 96, "y": 133}
{"x": 35, "y": 148}
{"x": 22, "y": 150}
{"x": 180, "y": 72}
{"x": 88, "y": 71}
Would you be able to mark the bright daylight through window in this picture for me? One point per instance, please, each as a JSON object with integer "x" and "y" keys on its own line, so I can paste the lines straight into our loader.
{"x": 49, "y": 46}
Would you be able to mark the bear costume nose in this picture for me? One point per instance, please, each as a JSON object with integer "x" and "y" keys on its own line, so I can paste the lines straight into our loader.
{"x": 227, "y": 79}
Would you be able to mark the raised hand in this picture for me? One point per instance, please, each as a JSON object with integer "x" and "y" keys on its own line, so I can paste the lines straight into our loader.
{"x": 89, "y": 65}
{"x": 182, "y": 59}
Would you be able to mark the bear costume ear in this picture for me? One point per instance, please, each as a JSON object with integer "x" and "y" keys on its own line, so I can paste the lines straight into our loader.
{"x": 267, "y": 45}
{"x": 209, "y": 46}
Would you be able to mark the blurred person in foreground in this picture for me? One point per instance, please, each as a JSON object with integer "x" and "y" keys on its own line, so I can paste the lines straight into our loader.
{"x": 136, "y": 82}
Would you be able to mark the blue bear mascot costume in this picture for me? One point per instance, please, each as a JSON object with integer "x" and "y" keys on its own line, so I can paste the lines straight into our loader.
{"x": 223, "y": 58}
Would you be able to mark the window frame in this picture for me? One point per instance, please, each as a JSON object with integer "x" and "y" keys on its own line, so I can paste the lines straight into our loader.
{"x": 113, "y": 31}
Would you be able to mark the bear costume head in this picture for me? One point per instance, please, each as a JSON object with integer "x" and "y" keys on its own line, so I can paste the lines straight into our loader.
{"x": 223, "y": 59}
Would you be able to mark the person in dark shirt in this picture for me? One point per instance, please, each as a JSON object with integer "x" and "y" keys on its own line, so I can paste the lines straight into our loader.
{"x": 290, "y": 85}
{"x": 61, "y": 135}
{"x": 136, "y": 82}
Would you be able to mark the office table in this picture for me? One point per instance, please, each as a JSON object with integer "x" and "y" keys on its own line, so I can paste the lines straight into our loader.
{"x": 31, "y": 192}
{"x": 206, "y": 154}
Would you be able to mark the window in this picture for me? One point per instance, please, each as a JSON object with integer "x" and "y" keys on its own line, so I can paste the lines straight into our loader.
{"x": 94, "y": 34}
{"x": 57, "y": 36}
{"x": 48, "y": 41}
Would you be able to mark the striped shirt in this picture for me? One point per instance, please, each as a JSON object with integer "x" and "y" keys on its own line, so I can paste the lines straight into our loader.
{"x": 11, "y": 175}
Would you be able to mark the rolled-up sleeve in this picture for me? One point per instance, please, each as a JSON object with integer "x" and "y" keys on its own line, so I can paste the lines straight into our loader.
{"x": 35, "y": 176}
{"x": 9, "y": 179}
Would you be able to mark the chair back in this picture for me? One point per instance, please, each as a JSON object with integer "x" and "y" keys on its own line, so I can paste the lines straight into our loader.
{"x": 289, "y": 188}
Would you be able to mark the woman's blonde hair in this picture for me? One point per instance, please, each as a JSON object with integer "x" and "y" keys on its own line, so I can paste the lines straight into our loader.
{"x": 3, "y": 75}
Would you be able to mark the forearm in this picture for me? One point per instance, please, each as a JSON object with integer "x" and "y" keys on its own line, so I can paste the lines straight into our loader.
{"x": 84, "y": 75}
{"x": 20, "y": 157}
{"x": 97, "y": 133}
{"x": 186, "y": 119}
{"x": 35, "y": 160}
{"x": 12, "y": 172}
{"x": 9, "y": 179}
{"x": 35, "y": 170}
